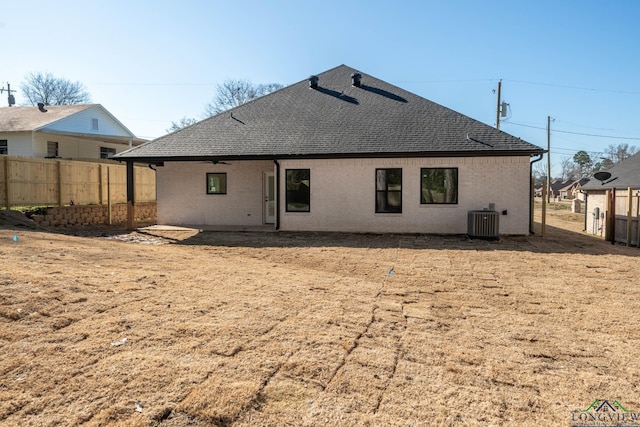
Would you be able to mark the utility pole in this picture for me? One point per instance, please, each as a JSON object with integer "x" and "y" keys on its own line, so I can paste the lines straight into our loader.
{"x": 548, "y": 158}
{"x": 498, "y": 107}
{"x": 10, "y": 98}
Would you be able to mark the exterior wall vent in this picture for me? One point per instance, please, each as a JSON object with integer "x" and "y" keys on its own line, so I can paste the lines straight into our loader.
{"x": 483, "y": 225}
{"x": 313, "y": 82}
{"x": 356, "y": 79}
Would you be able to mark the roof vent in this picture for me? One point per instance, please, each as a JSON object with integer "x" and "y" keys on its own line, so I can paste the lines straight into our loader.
{"x": 356, "y": 79}
{"x": 41, "y": 107}
{"x": 313, "y": 82}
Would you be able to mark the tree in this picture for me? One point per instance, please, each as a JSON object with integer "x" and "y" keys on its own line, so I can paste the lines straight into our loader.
{"x": 233, "y": 93}
{"x": 569, "y": 169}
{"x": 52, "y": 90}
{"x": 605, "y": 164}
{"x": 539, "y": 173}
{"x": 620, "y": 152}
{"x": 584, "y": 162}
{"x": 182, "y": 123}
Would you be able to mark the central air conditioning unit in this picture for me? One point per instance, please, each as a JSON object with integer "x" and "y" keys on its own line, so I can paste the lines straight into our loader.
{"x": 483, "y": 225}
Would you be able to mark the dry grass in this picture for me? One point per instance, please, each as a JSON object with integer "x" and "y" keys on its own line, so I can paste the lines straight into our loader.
{"x": 288, "y": 329}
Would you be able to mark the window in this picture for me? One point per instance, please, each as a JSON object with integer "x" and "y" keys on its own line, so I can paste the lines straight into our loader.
{"x": 389, "y": 190}
{"x": 52, "y": 149}
{"x": 106, "y": 152}
{"x": 94, "y": 124}
{"x": 4, "y": 149}
{"x": 439, "y": 186}
{"x": 216, "y": 183}
{"x": 298, "y": 190}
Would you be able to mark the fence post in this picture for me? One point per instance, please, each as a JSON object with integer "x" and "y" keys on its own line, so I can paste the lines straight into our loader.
{"x": 131, "y": 198}
{"x": 638, "y": 219}
{"x": 60, "y": 183}
{"x": 6, "y": 182}
{"x": 543, "y": 223}
{"x": 629, "y": 216}
{"x": 100, "y": 192}
{"x": 109, "y": 194}
{"x": 612, "y": 233}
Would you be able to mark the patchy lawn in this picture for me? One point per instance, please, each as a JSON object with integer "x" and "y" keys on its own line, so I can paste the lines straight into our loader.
{"x": 307, "y": 329}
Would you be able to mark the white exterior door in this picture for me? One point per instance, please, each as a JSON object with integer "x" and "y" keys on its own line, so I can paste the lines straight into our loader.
{"x": 269, "y": 198}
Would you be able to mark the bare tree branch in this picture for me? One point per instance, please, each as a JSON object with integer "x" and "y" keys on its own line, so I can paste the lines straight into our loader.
{"x": 182, "y": 123}
{"x": 233, "y": 93}
{"x": 51, "y": 90}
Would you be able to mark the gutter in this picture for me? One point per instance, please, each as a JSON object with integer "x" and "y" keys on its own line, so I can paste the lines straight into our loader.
{"x": 531, "y": 231}
{"x": 376, "y": 155}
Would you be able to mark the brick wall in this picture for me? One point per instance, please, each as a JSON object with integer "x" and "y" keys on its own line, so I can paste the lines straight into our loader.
{"x": 94, "y": 215}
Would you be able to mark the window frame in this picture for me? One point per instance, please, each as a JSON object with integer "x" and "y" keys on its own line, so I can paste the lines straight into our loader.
{"x": 289, "y": 194}
{"x": 222, "y": 190}
{"x": 95, "y": 124}
{"x": 109, "y": 151}
{"x": 4, "y": 146}
{"x": 383, "y": 194}
{"x": 423, "y": 200}
{"x": 57, "y": 150}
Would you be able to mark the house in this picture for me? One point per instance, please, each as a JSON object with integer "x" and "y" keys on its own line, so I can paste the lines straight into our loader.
{"x": 576, "y": 189}
{"x": 571, "y": 188}
{"x": 556, "y": 185}
{"x": 340, "y": 151}
{"x": 600, "y": 211}
{"x": 65, "y": 131}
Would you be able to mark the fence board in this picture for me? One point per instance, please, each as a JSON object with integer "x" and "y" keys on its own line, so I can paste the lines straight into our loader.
{"x": 43, "y": 182}
{"x": 3, "y": 180}
{"x": 623, "y": 213}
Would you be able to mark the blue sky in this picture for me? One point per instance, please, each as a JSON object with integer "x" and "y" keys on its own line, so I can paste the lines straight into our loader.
{"x": 152, "y": 62}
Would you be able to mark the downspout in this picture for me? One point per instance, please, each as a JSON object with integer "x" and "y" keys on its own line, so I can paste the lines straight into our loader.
{"x": 277, "y": 191}
{"x": 531, "y": 231}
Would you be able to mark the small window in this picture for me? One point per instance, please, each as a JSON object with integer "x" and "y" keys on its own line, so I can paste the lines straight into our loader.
{"x": 216, "y": 183}
{"x": 94, "y": 124}
{"x": 439, "y": 186}
{"x": 52, "y": 149}
{"x": 298, "y": 190}
{"x": 4, "y": 149}
{"x": 389, "y": 190}
{"x": 107, "y": 152}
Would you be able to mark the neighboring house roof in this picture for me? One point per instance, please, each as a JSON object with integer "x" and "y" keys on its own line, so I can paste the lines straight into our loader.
{"x": 571, "y": 185}
{"x": 623, "y": 175}
{"x": 559, "y": 184}
{"x": 336, "y": 119}
{"x": 22, "y": 119}
{"x": 31, "y": 119}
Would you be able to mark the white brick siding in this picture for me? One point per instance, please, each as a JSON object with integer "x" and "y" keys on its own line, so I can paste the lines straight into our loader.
{"x": 183, "y": 198}
{"x": 343, "y": 195}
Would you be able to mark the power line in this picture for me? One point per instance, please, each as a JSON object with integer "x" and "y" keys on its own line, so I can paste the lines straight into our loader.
{"x": 596, "y": 128}
{"x": 575, "y": 87}
{"x": 576, "y": 133}
{"x": 588, "y": 89}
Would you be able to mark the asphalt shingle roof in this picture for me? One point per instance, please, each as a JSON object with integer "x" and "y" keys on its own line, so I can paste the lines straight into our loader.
{"x": 335, "y": 120}
{"x": 20, "y": 119}
{"x": 623, "y": 175}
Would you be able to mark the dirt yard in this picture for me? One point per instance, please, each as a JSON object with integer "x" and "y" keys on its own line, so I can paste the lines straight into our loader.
{"x": 188, "y": 328}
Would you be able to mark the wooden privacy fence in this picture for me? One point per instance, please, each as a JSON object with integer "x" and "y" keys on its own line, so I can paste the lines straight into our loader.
{"x": 625, "y": 207}
{"x": 28, "y": 181}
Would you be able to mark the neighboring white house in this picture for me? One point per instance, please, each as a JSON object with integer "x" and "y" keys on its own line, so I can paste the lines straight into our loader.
{"x": 598, "y": 209}
{"x": 341, "y": 151}
{"x": 63, "y": 131}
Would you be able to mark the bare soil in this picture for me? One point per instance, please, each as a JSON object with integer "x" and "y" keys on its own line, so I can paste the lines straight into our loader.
{"x": 185, "y": 328}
